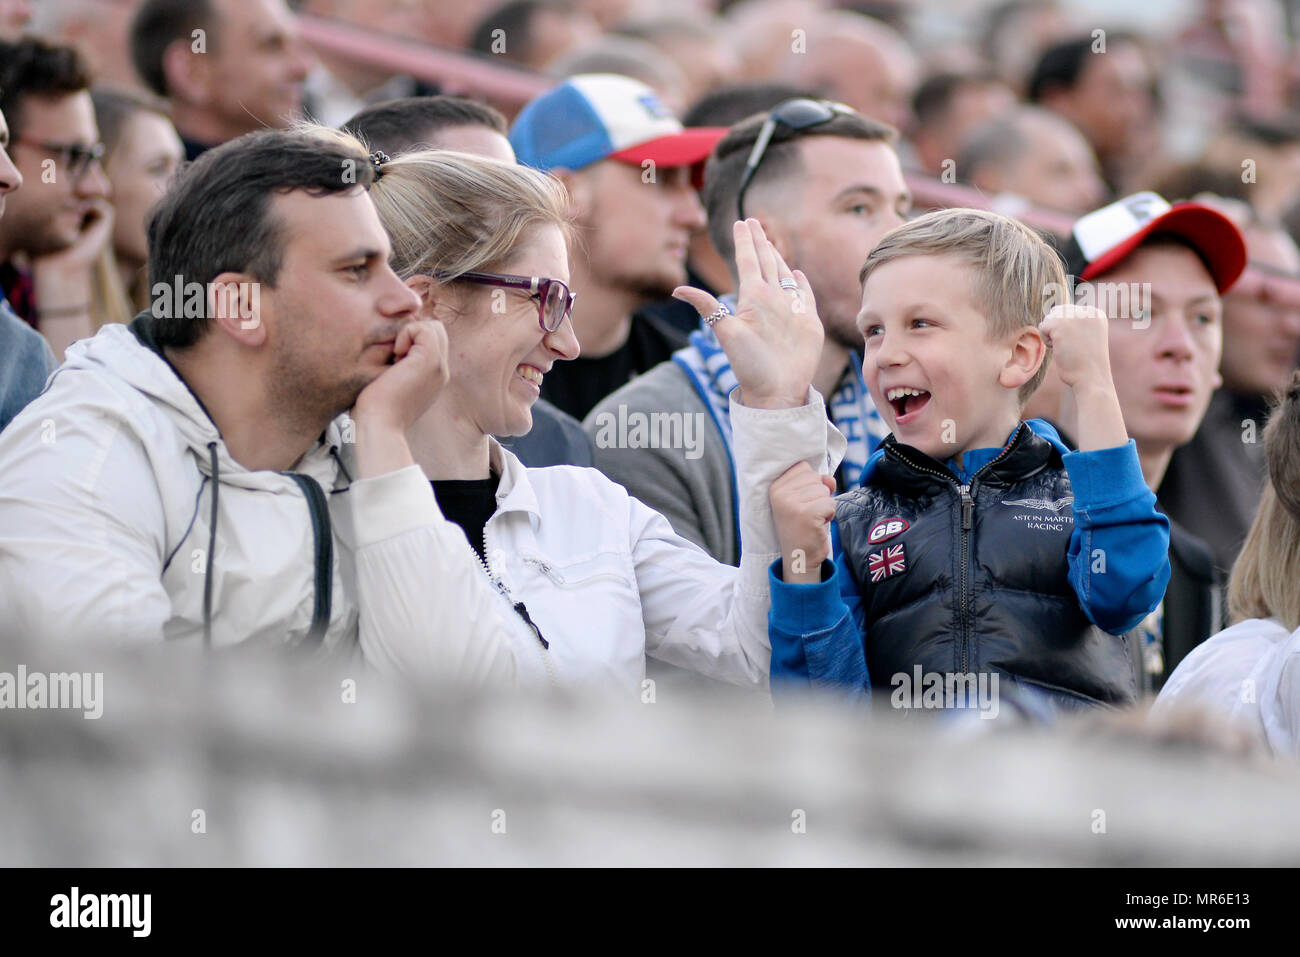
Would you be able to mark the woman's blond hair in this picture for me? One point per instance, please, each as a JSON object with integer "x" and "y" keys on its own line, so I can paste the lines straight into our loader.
{"x": 450, "y": 213}
{"x": 1018, "y": 275}
{"x": 1265, "y": 581}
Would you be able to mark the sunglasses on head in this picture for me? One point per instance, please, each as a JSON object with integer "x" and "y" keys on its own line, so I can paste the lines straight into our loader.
{"x": 554, "y": 300}
{"x": 795, "y": 115}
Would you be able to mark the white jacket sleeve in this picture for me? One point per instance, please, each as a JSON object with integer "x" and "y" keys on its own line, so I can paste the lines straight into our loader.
{"x": 426, "y": 610}
{"x": 709, "y": 617}
{"x": 82, "y": 533}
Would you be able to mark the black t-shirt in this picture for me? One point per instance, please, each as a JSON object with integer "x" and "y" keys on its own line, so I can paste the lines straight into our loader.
{"x": 469, "y": 503}
{"x": 577, "y": 386}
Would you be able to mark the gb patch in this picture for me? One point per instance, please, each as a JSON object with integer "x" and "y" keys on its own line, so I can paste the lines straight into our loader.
{"x": 885, "y": 529}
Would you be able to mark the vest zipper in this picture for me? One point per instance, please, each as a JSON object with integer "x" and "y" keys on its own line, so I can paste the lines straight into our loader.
{"x": 966, "y": 493}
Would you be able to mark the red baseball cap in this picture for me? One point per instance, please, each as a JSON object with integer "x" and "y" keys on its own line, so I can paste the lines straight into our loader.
{"x": 1104, "y": 238}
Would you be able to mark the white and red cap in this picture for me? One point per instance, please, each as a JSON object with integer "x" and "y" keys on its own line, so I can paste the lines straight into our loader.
{"x": 596, "y": 116}
{"x": 1103, "y": 239}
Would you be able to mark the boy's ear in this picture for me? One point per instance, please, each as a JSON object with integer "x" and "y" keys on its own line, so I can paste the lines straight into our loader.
{"x": 1028, "y": 350}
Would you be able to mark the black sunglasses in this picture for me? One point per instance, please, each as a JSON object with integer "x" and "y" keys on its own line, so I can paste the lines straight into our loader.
{"x": 796, "y": 115}
{"x": 554, "y": 300}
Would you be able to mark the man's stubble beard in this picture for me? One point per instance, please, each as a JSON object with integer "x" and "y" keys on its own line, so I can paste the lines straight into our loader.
{"x": 304, "y": 396}
{"x": 32, "y": 234}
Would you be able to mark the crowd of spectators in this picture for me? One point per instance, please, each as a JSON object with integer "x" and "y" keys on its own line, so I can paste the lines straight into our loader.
{"x": 664, "y": 121}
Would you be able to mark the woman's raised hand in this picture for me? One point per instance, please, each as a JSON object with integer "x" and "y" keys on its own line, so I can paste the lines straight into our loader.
{"x": 774, "y": 339}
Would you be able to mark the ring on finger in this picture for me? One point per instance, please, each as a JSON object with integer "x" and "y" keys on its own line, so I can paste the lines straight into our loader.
{"x": 789, "y": 284}
{"x": 719, "y": 313}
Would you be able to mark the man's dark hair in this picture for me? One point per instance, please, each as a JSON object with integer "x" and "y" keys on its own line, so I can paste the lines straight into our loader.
{"x": 160, "y": 23}
{"x": 516, "y": 20}
{"x": 217, "y": 215}
{"x": 726, "y": 166}
{"x": 1061, "y": 65}
{"x": 730, "y": 104}
{"x": 935, "y": 95}
{"x": 399, "y": 126}
{"x": 31, "y": 67}
{"x": 1186, "y": 180}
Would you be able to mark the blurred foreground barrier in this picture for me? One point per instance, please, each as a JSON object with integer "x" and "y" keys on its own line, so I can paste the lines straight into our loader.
{"x": 248, "y": 760}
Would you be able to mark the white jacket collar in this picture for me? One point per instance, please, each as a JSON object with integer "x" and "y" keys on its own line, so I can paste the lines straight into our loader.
{"x": 515, "y": 492}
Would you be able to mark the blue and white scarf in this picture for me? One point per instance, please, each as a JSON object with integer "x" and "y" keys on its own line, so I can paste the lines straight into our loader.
{"x": 850, "y": 406}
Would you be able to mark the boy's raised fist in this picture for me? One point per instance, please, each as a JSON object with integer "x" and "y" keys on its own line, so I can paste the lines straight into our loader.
{"x": 803, "y": 507}
{"x": 1078, "y": 337}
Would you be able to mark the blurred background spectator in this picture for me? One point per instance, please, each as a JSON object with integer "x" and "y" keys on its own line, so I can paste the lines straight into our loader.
{"x": 1036, "y": 155}
{"x": 99, "y": 29}
{"x": 228, "y": 66}
{"x": 533, "y": 33}
{"x": 57, "y": 225}
{"x": 141, "y": 152}
{"x": 859, "y": 62}
{"x": 948, "y": 107}
{"x": 1103, "y": 85}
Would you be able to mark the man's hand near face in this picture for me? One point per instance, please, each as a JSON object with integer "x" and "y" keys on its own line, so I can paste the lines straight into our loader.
{"x": 63, "y": 281}
{"x": 392, "y": 402}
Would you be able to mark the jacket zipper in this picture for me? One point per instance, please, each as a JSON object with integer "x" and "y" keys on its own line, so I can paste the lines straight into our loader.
{"x": 558, "y": 579}
{"x": 966, "y": 493}
{"x": 505, "y": 593}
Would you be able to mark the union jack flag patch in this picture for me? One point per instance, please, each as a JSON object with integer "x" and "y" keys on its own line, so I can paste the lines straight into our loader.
{"x": 887, "y": 562}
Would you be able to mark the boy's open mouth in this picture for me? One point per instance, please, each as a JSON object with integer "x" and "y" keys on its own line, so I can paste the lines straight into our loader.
{"x": 907, "y": 401}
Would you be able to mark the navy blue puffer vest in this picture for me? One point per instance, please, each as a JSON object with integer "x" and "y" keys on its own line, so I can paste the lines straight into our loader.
{"x": 973, "y": 578}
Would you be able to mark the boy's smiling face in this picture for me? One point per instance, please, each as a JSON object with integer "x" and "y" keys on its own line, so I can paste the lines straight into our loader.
{"x": 925, "y": 333}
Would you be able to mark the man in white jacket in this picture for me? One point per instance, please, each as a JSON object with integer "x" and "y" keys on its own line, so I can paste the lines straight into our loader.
{"x": 193, "y": 478}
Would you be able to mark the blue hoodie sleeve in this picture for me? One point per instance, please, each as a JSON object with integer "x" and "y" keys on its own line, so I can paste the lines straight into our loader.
{"x": 816, "y": 632}
{"x": 1119, "y": 550}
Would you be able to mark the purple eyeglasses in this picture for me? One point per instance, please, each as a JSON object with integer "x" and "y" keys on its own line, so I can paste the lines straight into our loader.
{"x": 554, "y": 300}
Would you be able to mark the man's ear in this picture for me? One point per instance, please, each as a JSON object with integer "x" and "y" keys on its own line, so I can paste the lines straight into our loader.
{"x": 1028, "y": 350}
{"x": 235, "y": 306}
{"x": 188, "y": 74}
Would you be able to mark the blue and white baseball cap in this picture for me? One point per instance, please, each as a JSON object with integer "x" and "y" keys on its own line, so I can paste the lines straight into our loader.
{"x": 596, "y": 116}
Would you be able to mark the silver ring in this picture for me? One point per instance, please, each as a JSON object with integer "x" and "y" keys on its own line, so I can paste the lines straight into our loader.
{"x": 789, "y": 284}
{"x": 719, "y": 313}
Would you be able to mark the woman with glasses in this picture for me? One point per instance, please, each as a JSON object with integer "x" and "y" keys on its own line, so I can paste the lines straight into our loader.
{"x": 595, "y": 580}
{"x": 141, "y": 153}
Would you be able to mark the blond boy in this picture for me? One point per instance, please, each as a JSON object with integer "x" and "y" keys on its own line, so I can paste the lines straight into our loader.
{"x": 978, "y": 546}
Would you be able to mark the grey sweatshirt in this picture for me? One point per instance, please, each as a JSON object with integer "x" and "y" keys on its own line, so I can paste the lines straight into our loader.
{"x": 690, "y": 484}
